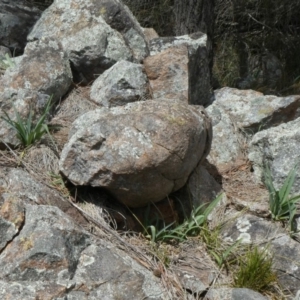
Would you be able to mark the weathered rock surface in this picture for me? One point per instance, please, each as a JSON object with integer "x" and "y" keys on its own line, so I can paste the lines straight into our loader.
{"x": 168, "y": 73}
{"x": 52, "y": 258}
{"x": 46, "y": 55}
{"x": 227, "y": 144}
{"x": 95, "y": 34}
{"x": 178, "y": 68}
{"x": 22, "y": 88}
{"x": 140, "y": 152}
{"x": 246, "y": 294}
{"x": 124, "y": 82}
{"x": 285, "y": 251}
{"x": 18, "y": 184}
{"x": 40, "y": 251}
{"x": 17, "y": 19}
{"x": 202, "y": 187}
{"x": 279, "y": 148}
{"x": 252, "y": 111}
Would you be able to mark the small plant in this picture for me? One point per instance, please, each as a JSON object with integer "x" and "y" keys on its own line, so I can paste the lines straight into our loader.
{"x": 58, "y": 183}
{"x": 255, "y": 270}
{"x": 215, "y": 246}
{"x": 28, "y": 132}
{"x": 7, "y": 62}
{"x": 282, "y": 206}
{"x": 190, "y": 227}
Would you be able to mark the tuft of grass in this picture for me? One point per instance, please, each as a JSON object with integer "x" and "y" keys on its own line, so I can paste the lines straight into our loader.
{"x": 59, "y": 184}
{"x": 216, "y": 247}
{"x": 28, "y": 132}
{"x": 7, "y": 62}
{"x": 190, "y": 227}
{"x": 255, "y": 271}
{"x": 282, "y": 205}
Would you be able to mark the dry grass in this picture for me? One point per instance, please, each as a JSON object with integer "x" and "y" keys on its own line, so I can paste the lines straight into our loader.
{"x": 76, "y": 103}
{"x": 237, "y": 179}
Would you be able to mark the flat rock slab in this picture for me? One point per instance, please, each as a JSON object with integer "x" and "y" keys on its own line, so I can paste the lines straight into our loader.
{"x": 140, "y": 152}
{"x": 253, "y": 111}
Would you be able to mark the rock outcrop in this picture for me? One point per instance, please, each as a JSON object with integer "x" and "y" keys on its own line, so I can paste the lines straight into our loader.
{"x": 94, "y": 34}
{"x": 134, "y": 144}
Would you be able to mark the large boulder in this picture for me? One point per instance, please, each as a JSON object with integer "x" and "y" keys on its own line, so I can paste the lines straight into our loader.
{"x": 124, "y": 82}
{"x": 178, "y": 68}
{"x": 237, "y": 114}
{"x": 95, "y": 34}
{"x": 140, "y": 152}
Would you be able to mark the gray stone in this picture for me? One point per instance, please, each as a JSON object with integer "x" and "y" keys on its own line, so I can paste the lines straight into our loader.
{"x": 18, "y": 185}
{"x": 228, "y": 142}
{"x": 202, "y": 187}
{"x": 253, "y": 111}
{"x": 95, "y": 34}
{"x": 12, "y": 219}
{"x": 140, "y": 152}
{"x": 7, "y": 232}
{"x": 279, "y": 148}
{"x": 117, "y": 275}
{"x": 43, "y": 68}
{"x": 124, "y": 82}
{"x": 53, "y": 258}
{"x": 48, "y": 243}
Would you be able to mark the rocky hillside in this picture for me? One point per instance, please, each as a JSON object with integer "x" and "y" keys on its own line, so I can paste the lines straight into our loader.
{"x": 124, "y": 175}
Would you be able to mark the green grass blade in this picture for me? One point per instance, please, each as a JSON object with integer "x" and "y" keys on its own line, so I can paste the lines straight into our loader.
{"x": 211, "y": 206}
{"x": 287, "y": 185}
{"x": 153, "y": 233}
